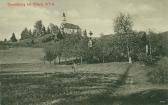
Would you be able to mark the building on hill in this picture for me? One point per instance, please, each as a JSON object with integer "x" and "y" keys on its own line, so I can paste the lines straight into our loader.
{"x": 69, "y": 28}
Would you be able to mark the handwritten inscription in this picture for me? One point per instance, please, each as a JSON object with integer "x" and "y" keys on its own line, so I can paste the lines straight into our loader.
{"x": 30, "y": 4}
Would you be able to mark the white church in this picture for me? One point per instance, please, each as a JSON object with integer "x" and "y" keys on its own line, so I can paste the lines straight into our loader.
{"x": 69, "y": 28}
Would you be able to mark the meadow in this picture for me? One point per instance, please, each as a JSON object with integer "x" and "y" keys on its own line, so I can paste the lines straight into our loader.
{"x": 21, "y": 55}
{"x": 28, "y": 81}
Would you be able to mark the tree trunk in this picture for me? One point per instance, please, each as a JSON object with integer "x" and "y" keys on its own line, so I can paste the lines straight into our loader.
{"x": 65, "y": 60}
{"x": 147, "y": 49}
{"x": 103, "y": 58}
{"x": 150, "y": 50}
{"x": 55, "y": 60}
{"x": 44, "y": 59}
{"x": 81, "y": 59}
{"x": 128, "y": 51}
{"x": 59, "y": 59}
{"x": 130, "y": 60}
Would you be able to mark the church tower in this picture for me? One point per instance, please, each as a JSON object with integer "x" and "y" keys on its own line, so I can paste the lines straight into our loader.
{"x": 68, "y": 28}
{"x": 64, "y": 18}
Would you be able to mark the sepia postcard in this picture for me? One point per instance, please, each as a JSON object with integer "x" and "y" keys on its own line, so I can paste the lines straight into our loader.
{"x": 83, "y": 52}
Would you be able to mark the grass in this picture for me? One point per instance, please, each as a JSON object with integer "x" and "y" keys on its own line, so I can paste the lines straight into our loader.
{"x": 115, "y": 68}
{"x": 72, "y": 89}
{"x": 33, "y": 89}
{"x": 45, "y": 84}
{"x": 140, "y": 77}
{"x": 21, "y": 55}
{"x": 25, "y": 80}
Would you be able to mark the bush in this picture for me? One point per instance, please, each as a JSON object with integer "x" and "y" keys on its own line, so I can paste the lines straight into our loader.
{"x": 48, "y": 39}
{"x": 49, "y": 54}
{"x": 160, "y": 73}
{"x": 147, "y": 59}
{"x": 3, "y": 46}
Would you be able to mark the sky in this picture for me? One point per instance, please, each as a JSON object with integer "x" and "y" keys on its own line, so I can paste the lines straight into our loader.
{"x": 94, "y": 15}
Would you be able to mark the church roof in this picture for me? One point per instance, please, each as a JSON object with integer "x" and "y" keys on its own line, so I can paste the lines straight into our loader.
{"x": 70, "y": 26}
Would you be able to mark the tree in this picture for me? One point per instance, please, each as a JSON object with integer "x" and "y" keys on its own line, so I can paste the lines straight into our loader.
{"x": 5, "y": 40}
{"x": 49, "y": 54}
{"x": 60, "y": 36}
{"x": 54, "y": 29}
{"x": 85, "y": 33}
{"x": 48, "y": 30}
{"x": 25, "y": 34}
{"x": 144, "y": 41}
{"x": 101, "y": 49}
{"x": 155, "y": 43}
{"x": 43, "y": 30}
{"x": 58, "y": 49}
{"x": 30, "y": 33}
{"x": 81, "y": 47}
{"x": 123, "y": 26}
{"x": 13, "y": 38}
{"x": 38, "y": 27}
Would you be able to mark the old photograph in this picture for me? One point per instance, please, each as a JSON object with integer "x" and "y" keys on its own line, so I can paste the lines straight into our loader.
{"x": 83, "y": 52}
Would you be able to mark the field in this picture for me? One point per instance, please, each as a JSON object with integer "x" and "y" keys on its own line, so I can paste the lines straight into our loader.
{"x": 21, "y": 55}
{"x": 27, "y": 81}
{"x": 58, "y": 84}
{"x": 56, "y": 89}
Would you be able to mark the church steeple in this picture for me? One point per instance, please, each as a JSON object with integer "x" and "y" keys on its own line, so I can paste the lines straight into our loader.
{"x": 64, "y": 17}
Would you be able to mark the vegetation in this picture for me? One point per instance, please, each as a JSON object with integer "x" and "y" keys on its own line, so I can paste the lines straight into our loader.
{"x": 160, "y": 73}
{"x": 49, "y": 54}
{"x": 13, "y": 38}
{"x": 57, "y": 88}
{"x": 123, "y": 26}
{"x": 124, "y": 45}
{"x": 3, "y": 45}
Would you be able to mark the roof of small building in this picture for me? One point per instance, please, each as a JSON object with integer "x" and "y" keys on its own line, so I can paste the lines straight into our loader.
{"x": 70, "y": 26}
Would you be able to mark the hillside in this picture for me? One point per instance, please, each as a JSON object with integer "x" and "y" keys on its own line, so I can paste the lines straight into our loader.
{"x": 21, "y": 55}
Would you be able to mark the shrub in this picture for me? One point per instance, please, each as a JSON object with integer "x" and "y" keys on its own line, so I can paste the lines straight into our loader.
{"x": 147, "y": 59}
{"x": 160, "y": 73}
{"x": 48, "y": 39}
{"x": 49, "y": 54}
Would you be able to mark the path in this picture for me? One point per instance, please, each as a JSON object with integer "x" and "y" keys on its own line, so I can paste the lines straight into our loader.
{"x": 138, "y": 74}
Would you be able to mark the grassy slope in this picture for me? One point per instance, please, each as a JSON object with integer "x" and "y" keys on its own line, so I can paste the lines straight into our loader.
{"x": 21, "y": 55}
{"x": 117, "y": 68}
{"x": 54, "y": 88}
{"x": 138, "y": 73}
{"x": 57, "y": 89}
{"x": 28, "y": 61}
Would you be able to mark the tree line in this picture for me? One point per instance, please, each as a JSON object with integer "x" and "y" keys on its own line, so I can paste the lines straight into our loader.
{"x": 125, "y": 45}
{"x": 39, "y": 30}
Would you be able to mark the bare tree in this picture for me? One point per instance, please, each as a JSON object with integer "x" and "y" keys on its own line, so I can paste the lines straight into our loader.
{"x": 123, "y": 26}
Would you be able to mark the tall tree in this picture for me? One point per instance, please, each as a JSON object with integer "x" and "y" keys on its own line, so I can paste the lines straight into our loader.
{"x": 48, "y": 31}
{"x": 85, "y": 33}
{"x": 25, "y": 34}
{"x": 123, "y": 26}
{"x": 54, "y": 29}
{"x": 38, "y": 27}
{"x": 5, "y": 40}
{"x": 30, "y": 33}
{"x": 43, "y": 30}
{"x": 13, "y": 38}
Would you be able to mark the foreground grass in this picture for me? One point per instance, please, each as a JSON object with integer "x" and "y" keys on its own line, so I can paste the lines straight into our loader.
{"x": 57, "y": 88}
{"x": 82, "y": 88}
